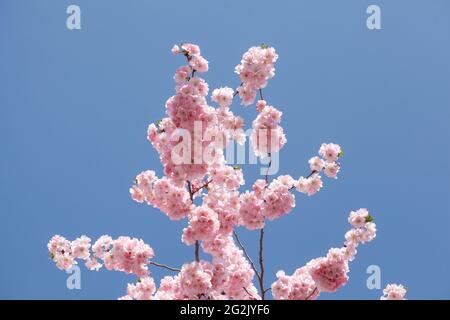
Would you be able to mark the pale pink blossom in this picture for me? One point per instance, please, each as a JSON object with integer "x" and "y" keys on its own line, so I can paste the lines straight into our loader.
{"x": 247, "y": 95}
{"x": 175, "y": 49}
{"x": 330, "y": 151}
{"x": 358, "y": 218}
{"x": 310, "y": 185}
{"x": 394, "y": 292}
{"x": 267, "y": 135}
{"x": 257, "y": 66}
{"x": 142, "y": 290}
{"x": 331, "y": 169}
{"x": 299, "y": 286}
{"x": 316, "y": 164}
{"x": 203, "y": 225}
{"x": 330, "y": 272}
{"x": 223, "y": 96}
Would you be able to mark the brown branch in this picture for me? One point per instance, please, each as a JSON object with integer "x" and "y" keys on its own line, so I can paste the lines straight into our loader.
{"x": 197, "y": 246}
{"x": 156, "y": 264}
{"x": 260, "y": 94}
{"x": 197, "y": 256}
{"x": 201, "y": 187}
{"x": 236, "y": 91}
{"x": 308, "y": 176}
{"x": 246, "y": 254}
{"x": 268, "y": 168}
{"x": 261, "y": 264}
{"x": 311, "y": 294}
{"x": 245, "y": 289}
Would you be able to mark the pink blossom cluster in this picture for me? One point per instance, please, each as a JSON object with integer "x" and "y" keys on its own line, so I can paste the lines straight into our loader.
{"x": 266, "y": 201}
{"x": 256, "y": 67}
{"x": 394, "y": 292}
{"x": 364, "y": 230}
{"x": 129, "y": 255}
{"x": 207, "y": 194}
{"x": 231, "y": 125}
{"x": 329, "y": 152}
{"x": 189, "y": 113}
{"x": 329, "y": 273}
{"x": 144, "y": 289}
{"x": 233, "y": 271}
{"x": 203, "y": 225}
{"x": 222, "y": 278}
{"x": 267, "y": 135}
{"x": 299, "y": 286}
{"x": 226, "y": 204}
{"x": 192, "y": 52}
{"x": 162, "y": 193}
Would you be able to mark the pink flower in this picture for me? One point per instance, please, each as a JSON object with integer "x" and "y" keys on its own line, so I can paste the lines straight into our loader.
{"x": 316, "y": 164}
{"x": 203, "y": 225}
{"x": 80, "y": 248}
{"x": 267, "y": 136}
{"x": 330, "y": 151}
{"x": 260, "y": 105}
{"x": 251, "y": 214}
{"x": 195, "y": 279}
{"x": 310, "y": 185}
{"x": 142, "y": 290}
{"x": 299, "y": 286}
{"x": 191, "y": 49}
{"x": 330, "y": 272}
{"x": 331, "y": 169}
{"x": 247, "y": 95}
{"x": 256, "y": 67}
{"x": 223, "y": 96}
{"x": 198, "y": 63}
{"x": 61, "y": 252}
{"x": 358, "y": 218}
{"x": 278, "y": 200}
{"x": 175, "y": 49}
{"x": 93, "y": 264}
{"x": 394, "y": 292}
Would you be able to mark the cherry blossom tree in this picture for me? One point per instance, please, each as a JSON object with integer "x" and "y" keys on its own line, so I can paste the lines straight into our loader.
{"x": 200, "y": 187}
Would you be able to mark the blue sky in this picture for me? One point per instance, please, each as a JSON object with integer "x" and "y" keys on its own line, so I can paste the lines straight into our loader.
{"x": 75, "y": 105}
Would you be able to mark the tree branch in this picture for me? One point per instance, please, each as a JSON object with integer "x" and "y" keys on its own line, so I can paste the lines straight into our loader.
{"x": 246, "y": 254}
{"x": 197, "y": 256}
{"x": 156, "y": 264}
{"x": 201, "y": 187}
{"x": 197, "y": 246}
{"x": 261, "y": 264}
{"x": 311, "y": 294}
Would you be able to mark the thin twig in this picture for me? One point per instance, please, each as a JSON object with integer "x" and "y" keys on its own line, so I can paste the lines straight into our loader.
{"x": 308, "y": 176}
{"x": 245, "y": 289}
{"x": 311, "y": 294}
{"x": 197, "y": 246}
{"x": 246, "y": 254}
{"x": 261, "y": 264}
{"x": 236, "y": 91}
{"x": 195, "y": 190}
{"x": 260, "y": 94}
{"x": 156, "y": 264}
{"x": 268, "y": 168}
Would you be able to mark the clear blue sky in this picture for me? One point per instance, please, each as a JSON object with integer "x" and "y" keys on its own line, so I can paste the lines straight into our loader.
{"x": 75, "y": 105}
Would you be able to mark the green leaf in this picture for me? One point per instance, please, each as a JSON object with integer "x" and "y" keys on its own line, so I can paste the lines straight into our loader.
{"x": 369, "y": 218}
{"x": 341, "y": 153}
{"x": 264, "y": 46}
{"x": 236, "y": 167}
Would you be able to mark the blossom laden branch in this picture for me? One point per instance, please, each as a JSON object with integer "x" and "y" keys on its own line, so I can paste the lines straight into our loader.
{"x": 213, "y": 217}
